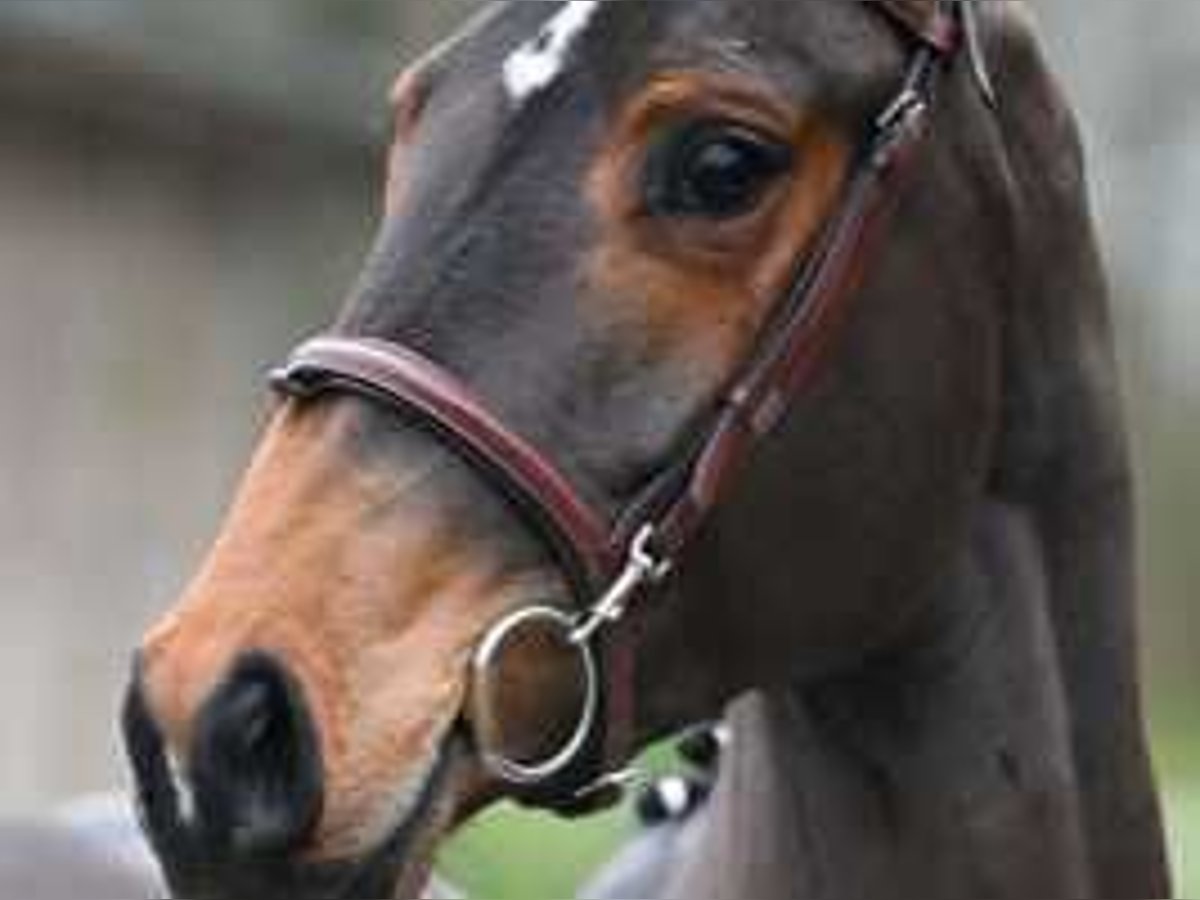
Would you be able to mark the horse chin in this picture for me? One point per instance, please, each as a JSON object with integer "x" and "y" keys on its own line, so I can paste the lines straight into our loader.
{"x": 399, "y": 866}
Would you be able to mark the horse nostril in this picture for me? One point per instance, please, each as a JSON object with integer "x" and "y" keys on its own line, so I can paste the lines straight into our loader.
{"x": 255, "y": 763}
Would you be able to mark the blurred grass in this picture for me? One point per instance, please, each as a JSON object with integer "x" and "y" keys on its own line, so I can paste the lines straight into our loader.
{"x": 1184, "y": 822}
{"x": 512, "y": 853}
{"x": 1177, "y": 753}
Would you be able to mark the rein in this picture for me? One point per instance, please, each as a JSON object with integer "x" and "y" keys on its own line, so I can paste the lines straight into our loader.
{"x": 610, "y": 564}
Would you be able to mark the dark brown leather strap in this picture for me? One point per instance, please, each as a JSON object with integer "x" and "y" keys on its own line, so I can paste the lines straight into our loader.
{"x": 413, "y": 384}
{"x": 804, "y": 330}
{"x": 792, "y": 352}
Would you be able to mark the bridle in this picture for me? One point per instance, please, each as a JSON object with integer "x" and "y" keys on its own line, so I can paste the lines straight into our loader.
{"x": 609, "y": 563}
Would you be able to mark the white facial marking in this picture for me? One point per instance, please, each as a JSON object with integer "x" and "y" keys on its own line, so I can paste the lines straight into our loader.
{"x": 537, "y": 64}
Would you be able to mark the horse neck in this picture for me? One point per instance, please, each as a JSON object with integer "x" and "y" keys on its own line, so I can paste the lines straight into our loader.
{"x": 942, "y": 768}
{"x": 1001, "y": 752}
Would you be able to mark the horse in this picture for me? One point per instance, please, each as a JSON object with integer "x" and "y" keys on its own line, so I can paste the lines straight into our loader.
{"x": 727, "y": 356}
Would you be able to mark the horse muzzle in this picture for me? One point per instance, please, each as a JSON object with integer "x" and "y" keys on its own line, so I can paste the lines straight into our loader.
{"x": 242, "y": 819}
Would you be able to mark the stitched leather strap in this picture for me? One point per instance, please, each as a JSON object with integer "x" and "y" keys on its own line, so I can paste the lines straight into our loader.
{"x": 812, "y": 316}
{"x": 415, "y": 385}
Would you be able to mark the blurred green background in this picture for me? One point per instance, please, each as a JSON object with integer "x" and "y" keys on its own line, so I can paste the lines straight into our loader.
{"x": 188, "y": 188}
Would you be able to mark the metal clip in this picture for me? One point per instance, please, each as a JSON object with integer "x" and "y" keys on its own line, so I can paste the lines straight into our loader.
{"x": 642, "y": 568}
{"x": 907, "y": 103}
{"x": 893, "y": 124}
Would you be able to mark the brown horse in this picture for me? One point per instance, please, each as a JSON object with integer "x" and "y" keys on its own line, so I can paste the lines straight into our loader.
{"x": 627, "y": 233}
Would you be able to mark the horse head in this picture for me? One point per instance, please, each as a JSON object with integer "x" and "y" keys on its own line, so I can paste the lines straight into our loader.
{"x": 598, "y": 215}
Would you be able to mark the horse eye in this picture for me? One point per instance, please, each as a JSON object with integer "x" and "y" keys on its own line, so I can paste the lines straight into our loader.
{"x": 713, "y": 170}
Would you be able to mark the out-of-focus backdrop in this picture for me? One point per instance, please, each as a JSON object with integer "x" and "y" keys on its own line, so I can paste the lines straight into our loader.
{"x": 186, "y": 188}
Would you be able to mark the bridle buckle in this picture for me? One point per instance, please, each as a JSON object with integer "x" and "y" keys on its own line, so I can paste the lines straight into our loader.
{"x": 643, "y": 568}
